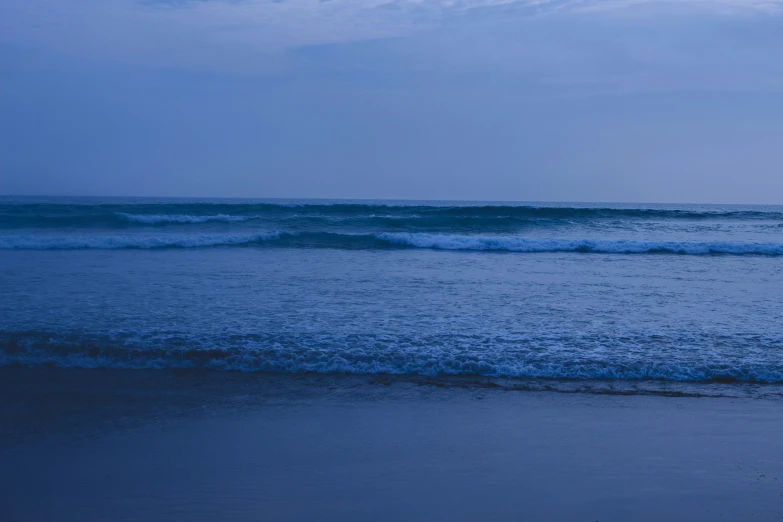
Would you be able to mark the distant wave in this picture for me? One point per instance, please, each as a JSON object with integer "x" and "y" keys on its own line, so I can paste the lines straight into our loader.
{"x": 437, "y": 215}
{"x": 36, "y": 242}
{"x": 456, "y": 209}
{"x": 156, "y": 219}
{"x": 463, "y": 356}
{"x": 388, "y": 240}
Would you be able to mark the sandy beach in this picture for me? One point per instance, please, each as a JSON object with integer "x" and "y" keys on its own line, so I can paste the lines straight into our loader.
{"x": 115, "y": 445}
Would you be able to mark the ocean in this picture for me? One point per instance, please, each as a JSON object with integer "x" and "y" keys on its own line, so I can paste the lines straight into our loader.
{"x": 595, "y": 294}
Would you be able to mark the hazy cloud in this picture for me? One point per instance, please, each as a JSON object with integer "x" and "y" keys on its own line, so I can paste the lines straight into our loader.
{"x": 494, "y": 99}
{"x": 170, "y": 27}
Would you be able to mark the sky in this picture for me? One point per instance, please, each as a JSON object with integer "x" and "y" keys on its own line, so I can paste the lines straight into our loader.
{"x": 529, "y": 100}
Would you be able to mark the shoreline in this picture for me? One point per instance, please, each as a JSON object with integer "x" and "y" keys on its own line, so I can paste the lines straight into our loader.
{"x": 159, "y": 445}
{"x": 46, "y": 399}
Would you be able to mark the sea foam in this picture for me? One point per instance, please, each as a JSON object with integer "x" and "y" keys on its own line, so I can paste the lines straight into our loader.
{"x": 280, "y": 354}
{"x": 521, "y": 244}
{"x": 385, "y": 240}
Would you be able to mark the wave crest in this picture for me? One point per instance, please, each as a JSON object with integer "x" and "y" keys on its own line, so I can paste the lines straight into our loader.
{"x": 130, "y": 241}
{"x": 158, "y": 219}
{"x": 387, "y": 240}
{"x": 531, "y": 245}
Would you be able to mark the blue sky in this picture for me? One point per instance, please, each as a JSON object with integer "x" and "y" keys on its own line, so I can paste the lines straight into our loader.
{"x": 581, "y": 100}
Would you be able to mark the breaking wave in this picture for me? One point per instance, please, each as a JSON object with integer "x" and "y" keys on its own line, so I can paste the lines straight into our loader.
{"x": 519, "y": 244}
{"x": 387, "y": 240}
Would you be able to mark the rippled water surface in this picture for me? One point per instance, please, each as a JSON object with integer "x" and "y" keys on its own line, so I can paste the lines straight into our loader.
{"x": 622, "y": 292}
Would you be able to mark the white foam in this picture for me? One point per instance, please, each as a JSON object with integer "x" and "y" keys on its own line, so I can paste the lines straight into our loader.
{"x": 521, "y": 244}
{"x": 382, "y": 364}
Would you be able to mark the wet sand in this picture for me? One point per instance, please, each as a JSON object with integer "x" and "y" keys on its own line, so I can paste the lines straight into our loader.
{"x": 94, "y": 445}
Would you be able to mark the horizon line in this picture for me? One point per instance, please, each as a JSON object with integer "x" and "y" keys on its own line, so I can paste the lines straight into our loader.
{"x": 375, "y": 199}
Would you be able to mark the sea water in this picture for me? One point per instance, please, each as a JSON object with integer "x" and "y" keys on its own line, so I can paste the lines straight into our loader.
{"x": 685, "y": 293}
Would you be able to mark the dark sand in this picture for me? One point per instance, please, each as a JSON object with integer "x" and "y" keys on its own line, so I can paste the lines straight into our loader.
{"x": 95, "y": 445}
